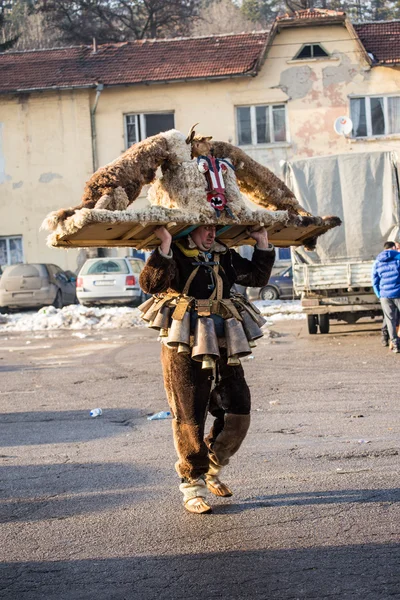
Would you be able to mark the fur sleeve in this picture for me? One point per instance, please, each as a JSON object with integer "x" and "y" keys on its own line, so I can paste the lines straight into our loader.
{"x": 255, "y": 272}
{"x": 158, "y": 274}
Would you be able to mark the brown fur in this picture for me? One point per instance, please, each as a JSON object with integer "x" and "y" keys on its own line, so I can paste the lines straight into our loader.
{"x": 188, "y": 389}
{"x": 258, "y": 182}
{"x": 131, "y": 171}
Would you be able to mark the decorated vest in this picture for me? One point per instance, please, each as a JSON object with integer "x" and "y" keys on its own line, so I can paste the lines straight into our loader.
{"x": 170, "y": 314}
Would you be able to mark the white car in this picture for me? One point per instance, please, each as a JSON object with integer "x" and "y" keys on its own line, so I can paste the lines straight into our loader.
{"x": 110, "y": 281}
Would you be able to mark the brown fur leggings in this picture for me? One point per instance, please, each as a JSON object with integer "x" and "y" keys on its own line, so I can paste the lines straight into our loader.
{"x": 188, "y": 391}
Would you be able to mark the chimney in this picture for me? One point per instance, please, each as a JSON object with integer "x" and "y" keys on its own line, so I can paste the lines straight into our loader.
{"x": 94, "y": 45}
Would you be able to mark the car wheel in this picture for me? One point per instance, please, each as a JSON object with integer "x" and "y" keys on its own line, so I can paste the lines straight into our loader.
{"x": 323, "y": 321}
{"x": 58, "y": 300}
{"x": 269, "y": 293}
{"x": 312, "y": 324}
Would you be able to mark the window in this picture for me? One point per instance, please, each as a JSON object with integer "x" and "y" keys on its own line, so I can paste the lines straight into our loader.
{"x": 311, "y": 51}
{"x": 375, "y": 115}
{"x": 105, "y": 266}
{"x": 261, "y": 124}
{"x": 140, "y": 126}
{"x": 11, "y": 250}
{"x": 284, "y": 253}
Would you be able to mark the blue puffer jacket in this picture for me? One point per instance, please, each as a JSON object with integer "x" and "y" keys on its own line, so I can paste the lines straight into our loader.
{"x": 386, "y": 274}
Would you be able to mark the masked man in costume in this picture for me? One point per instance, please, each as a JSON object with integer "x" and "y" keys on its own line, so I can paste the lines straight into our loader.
{"x": 198, "y": 273}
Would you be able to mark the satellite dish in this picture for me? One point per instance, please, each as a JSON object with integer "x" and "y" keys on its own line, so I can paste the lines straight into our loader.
{"x": 343, "y": 125}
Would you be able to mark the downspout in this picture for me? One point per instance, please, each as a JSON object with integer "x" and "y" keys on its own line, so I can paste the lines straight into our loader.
{"x": 99, "y": 89}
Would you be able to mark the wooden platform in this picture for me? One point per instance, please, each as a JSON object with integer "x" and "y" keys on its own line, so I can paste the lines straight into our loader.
{"x": 125, "y": 234}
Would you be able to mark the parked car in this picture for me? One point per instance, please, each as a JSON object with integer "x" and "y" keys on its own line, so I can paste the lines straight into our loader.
{"x": 279, "y": 286}
{"x": 110, "y": 281}
{"x": 35, "y": 285}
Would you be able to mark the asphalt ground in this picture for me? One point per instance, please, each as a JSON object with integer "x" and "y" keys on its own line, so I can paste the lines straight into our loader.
{"x": 90, "y": 507}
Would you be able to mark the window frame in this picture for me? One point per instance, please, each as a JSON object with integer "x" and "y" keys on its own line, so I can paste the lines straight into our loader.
{"x": 140, "y": 123}
{"x": 312, "y": 57}
{"x": 368, "y": 115}
{"x": 8, "y": 238}
{"x": 253, "y": 124}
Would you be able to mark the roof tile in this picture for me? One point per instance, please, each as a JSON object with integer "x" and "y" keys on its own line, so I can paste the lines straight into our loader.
{"x": 382, "y": 39}
{"x": 142, "y": 61}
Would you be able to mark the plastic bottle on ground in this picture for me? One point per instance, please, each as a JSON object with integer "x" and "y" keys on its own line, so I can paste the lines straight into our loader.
{"x": 96, "y": 412}
{"x": 160, "y": 415}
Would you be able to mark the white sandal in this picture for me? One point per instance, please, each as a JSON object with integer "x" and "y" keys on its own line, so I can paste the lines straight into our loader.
{"x": 197, "y": 505}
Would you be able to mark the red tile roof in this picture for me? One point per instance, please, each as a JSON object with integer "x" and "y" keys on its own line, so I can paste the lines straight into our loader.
{"x": 315, "y": 13}
{"x": 382, "y": 39}
{"x": 142, "y": 61}
{"x": 152, "y": 61}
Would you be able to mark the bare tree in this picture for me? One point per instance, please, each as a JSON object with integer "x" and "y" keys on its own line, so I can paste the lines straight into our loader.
{"x": 121, "y": 20}
{"x": 8, "y": 37}
{"x": 222, "y": 16}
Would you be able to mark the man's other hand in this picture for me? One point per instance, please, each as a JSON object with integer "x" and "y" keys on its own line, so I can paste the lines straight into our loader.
{"x": 261, "y": 237}
{"x": 165, "y": 238}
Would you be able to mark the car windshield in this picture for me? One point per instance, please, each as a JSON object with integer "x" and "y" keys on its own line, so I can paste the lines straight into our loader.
{"x": 30, "y": 270}
{"x": 107, "y": 265}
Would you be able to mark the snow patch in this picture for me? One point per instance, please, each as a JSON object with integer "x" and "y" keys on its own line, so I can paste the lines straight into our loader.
{"x": 73, "y": 317}
{"x": 77, "y": 317}
{"x": 280, "y": 310}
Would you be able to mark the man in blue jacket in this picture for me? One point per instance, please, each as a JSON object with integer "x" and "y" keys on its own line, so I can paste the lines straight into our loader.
{"x": 386, "y": 282}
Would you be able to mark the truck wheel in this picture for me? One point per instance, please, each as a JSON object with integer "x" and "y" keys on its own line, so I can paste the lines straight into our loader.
{"x": 269, "y": 293}
{"x": 312, "y": 324}
{"x": 323, "y": 321}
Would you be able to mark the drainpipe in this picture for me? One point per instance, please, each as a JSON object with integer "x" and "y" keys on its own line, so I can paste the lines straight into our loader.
{"x": 99, "y": 89}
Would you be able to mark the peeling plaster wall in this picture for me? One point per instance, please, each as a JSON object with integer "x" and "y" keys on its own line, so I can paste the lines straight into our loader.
{"x": 45, "y": 159}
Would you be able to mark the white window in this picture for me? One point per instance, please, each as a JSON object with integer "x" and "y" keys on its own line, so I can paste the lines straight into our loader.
{"x": 311, "y": 51}
{"x": 375, "y": 115}
{"x": 11, "y": 250}
{"x": 261, "y": 124}
{"x": 140, "y": 126}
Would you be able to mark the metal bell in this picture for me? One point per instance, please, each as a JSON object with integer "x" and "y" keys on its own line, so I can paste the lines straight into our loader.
{"x": 233, "y": 361}
{"x": 163, "y": 333}
{"x": 183, "y": 349}
{"x": 151, "y": 313}
{"x": 208, "y": 362}
{"x": 179, "y": 332}
{"x": 260, "y": 320}
{"x": 236, "y": 340}
{"x": 251, "y": 329}
{"x": 145, "y": 306}
{"x": 205, "y": 349}
{"x": 162, "y": 319}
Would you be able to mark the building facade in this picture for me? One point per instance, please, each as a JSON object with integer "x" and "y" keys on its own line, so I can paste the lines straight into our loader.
{"x": 277, "y": 94}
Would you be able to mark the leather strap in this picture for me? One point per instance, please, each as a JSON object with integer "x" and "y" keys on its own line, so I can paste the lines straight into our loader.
{"x": 181, "y": 307}
{"x": 189, "y": 280}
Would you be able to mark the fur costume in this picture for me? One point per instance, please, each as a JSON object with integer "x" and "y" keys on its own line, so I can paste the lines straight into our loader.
{"x": 188, "y": 386}
{"x": 180, "y": 191}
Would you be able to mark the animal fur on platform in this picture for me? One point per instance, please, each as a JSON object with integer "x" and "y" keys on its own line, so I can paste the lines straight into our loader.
{"x": 182, "y": 186}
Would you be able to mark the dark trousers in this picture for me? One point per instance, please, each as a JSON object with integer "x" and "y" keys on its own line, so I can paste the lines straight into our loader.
{"x": 391, "y": 308}
{"x": 189, "y": 394}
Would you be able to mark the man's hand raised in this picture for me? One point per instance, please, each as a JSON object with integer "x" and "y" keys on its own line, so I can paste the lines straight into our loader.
{"x": 261, "y": 237}
{"x": 165, "y": 238}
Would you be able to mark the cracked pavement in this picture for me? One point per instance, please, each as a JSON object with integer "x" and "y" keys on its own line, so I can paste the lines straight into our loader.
{"x": 90, "y": 507}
